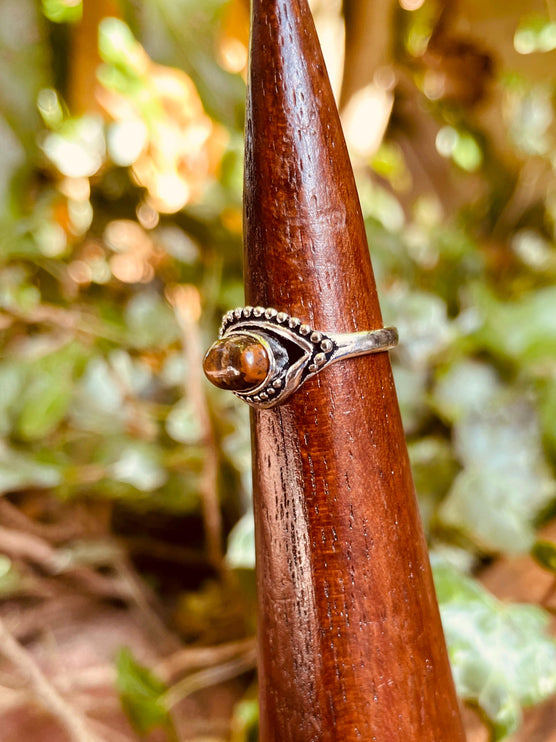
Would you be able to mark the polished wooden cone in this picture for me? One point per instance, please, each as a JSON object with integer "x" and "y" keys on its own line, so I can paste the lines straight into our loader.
{"x": 350, "y": 639}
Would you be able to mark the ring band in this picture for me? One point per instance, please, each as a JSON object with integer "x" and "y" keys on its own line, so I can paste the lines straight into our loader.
{"x": 264, "y": 355}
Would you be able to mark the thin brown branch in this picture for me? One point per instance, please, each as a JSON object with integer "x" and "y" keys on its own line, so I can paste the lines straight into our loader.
{"x": 186, "y": 303}
{"x": 190, "y": 658}
{"x": 209, "y": 677}
{"x": 77, "y": 726}
{"x": 11, "y": 516}
{"x": 26, "y": 546}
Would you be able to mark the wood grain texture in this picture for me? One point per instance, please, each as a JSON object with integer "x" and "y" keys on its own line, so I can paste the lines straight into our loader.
{"x": 350, "y": 640}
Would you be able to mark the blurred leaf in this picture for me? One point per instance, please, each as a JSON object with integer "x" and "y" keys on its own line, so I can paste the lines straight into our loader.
{"x": 532, "y": 114}
{"x": 107, "y": 396}
{"x": 434, "y": 468}
{"x": 182, "y": 423}
{"x": 506, "y": 480}
{"x": 138, "y": 465}
{"x": 192, "y": 45}
{"x": 241, "y": 544}
{"x": 78, "y": 147}
{"x": 245, "y": 721}
{"x": 544, "y": 552}
{"x": 117, "y": 45}
{"x": 63, "y": 11}
{"x": 24, "y": 70}
{"x": 423, "y": 324}
{"x": 502, "y": 657}
{"x": 99, "y": 404}
{"x": 150, "y": 321}
{"x": 547, "y": 410}
{"x": 524, "y": 330}
{"x": 10, "y": 579}
{"x": 45, "y": 405}
{"x": 12, "y": 380}
{"x": 47, "y": 391}
{"x": 141, "y": 694}
{"x": 535, "y": 33}
{"x": 19, "y": 471}
{"x": 411, "y": 387}
{"x": 465, "y": 387}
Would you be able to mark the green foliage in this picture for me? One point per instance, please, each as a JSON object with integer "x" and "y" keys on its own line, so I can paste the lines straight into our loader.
{"x": 505, "y": 481}
{"x": 141, "y": 694}
{"x": 20, "y": 471}
{"x": 544, "y": 552}
{"x": 245, "y": 721}
{"x": 62, "y": 11}
{"x": 535, "y": 33}
{"x": 501, "y": 655}
{"x": 10, "y": 580}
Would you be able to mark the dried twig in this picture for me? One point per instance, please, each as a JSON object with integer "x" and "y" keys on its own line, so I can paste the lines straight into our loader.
{"x": 77, "y": 726}
{"x": 29, "y": 547}
{"x": 191, "y": 658}
{"x": 209, "y": 677}
{"x": 12, "y": 517}
{"x": 186, "y": 303}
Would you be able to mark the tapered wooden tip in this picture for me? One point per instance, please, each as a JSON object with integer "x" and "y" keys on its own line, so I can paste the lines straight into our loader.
{"x": 303, "y": 221}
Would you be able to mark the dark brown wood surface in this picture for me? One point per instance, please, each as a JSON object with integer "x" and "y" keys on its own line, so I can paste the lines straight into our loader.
{"x": 350, "y": 640}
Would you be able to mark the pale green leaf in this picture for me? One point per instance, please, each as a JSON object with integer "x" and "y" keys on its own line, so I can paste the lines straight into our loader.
{"x": 465, "y": 387}
{"x": 137, "y": 465}
{"x": 506, "y": 480}
{"x": 502, "y": 657}
{"x": 241, "y": 544}
{"x": 150, "y": 321}
{"x": 21, "y": 470}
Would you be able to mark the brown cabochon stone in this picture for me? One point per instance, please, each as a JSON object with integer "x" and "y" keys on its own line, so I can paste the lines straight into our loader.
{"x": 238, "y": 363}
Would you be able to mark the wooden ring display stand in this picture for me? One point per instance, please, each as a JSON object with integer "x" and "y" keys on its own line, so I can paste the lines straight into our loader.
{"x": 350, "y": 639}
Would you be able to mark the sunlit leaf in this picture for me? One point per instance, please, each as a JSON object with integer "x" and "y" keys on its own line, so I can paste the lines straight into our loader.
{"x": 245, "y": 721}
{"x": 502, "y": 657}
{"x": 63, "y": 11}
{"x": 77, "y": 148}
{"x": 241, "y": 544}
{"x": 535, "y": 33}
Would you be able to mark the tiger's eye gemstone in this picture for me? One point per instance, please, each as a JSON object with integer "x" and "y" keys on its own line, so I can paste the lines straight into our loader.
{"x": 238, "y": 363}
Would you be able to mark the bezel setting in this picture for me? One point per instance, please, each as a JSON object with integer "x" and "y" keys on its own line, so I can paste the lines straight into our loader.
{"x": 305, "y": 351}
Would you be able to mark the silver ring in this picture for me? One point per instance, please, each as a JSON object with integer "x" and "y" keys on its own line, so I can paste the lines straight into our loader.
{"x": 264, "y": 355}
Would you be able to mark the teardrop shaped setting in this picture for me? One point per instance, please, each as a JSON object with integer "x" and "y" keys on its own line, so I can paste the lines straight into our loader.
{"x": 238, "y": 363}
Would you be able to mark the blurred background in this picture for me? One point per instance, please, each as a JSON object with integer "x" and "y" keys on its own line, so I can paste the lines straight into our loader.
{"x": 126, "y": 543}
